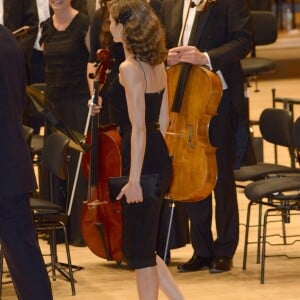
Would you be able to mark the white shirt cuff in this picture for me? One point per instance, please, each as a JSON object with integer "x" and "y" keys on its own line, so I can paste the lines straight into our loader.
{"x": 219, "y": 73}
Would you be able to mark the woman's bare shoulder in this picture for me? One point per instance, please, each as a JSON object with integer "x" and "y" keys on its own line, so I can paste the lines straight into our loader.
{"x": 130, "y": 70}
{"x": 129, "y": 65}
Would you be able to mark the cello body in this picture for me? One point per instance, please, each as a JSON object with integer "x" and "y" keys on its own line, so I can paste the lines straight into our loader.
{"x": 194, "y": 96}
{"x": 101, "y": 223}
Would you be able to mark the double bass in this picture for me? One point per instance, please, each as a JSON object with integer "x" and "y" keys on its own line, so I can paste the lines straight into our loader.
{"x": 194, "y": 96}
{"x": 101, "y": 219}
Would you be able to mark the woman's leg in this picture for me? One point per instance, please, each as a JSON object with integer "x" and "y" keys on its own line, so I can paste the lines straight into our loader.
{"x": 166, "y": 281}
{"x": 147, "y": 283}
{"x": 150, "y": 279}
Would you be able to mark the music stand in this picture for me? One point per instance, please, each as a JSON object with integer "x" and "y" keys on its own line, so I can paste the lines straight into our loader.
{"x": 44, "y": 107}
{"x": 36, "y": 93}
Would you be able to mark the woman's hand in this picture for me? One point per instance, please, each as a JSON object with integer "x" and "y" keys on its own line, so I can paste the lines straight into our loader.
{"x": 132, "y": 192}
{"x": 95, "y": 108}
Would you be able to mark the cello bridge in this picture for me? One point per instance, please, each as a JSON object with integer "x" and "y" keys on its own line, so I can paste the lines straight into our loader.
{"x": 93, "y": 203}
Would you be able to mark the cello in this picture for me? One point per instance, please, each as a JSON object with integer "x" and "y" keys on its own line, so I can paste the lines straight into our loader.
{"x": 101, "y": 219}
{"x": 194, "y": 95}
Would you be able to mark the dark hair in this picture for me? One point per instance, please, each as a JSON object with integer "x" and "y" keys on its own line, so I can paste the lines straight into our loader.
{"x": 105, "y": 37}
{"x": 143, "y": 32}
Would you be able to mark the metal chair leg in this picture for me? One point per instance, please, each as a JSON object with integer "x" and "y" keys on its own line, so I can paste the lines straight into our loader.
{"x": 259, "y": 233}
{"x": 283, "y": 221}
{"x": 264, "y": 241}
{"x": 246, "y": 236}
{"x": 71, "y": 278}
{"x": 65, "y": 269}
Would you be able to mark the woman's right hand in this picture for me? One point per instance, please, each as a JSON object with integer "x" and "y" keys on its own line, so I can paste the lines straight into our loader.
{"x": 95, "y": 108}
{"x": 132, "y": 192}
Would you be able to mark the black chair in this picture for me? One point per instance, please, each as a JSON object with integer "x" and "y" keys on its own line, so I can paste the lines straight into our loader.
{"x": 281, "y": 196}
{"x": 48, "y": 216}
{"x": 264, "y": 33}
{"x": 288, "y": 104}
{"x": 276, "y": 127}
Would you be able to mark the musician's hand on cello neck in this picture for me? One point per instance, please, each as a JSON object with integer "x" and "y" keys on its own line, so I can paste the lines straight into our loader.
{"x": 187, "y": 54}
{"x": 95, "y": 108}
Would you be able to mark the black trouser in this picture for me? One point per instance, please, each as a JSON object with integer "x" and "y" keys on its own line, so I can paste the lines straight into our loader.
{"x": 21, "y": 250}
{"x": 222, "y": 136}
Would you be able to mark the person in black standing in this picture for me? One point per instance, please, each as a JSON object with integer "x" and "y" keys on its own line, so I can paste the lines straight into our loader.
{"x": 100, "y": 38}
{"x": 223, "y": 37}
{"x": 143, "y": 119}
{"x": 17, "y": 233}
{"x": 19, "y": 13}
{"x": 63, "y": 41}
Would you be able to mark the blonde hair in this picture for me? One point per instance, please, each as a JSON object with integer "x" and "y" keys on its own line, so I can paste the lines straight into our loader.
{"x": 143, "y": 32}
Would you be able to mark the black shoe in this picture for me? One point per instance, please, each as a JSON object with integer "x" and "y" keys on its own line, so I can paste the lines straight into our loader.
{"x": 220, "y": 264}
{"x": 196, "y": 263}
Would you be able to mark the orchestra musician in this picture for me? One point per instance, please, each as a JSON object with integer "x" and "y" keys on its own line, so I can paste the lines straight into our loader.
{"x": 17, "y": 232}
{"x": 44, "y": 10}
{"x": 19, "y": 13}
{"x": 63, "y": 41}
{"x": 223, "y": 37}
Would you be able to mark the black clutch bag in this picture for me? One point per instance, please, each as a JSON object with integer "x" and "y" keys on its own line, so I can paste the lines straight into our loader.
{"x": 149, "y": 183}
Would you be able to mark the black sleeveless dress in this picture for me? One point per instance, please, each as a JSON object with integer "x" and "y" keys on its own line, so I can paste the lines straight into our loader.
{"x": 141, "y": 220}
{"x": 66, "y": 57}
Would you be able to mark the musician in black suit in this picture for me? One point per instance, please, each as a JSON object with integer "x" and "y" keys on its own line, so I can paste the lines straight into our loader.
{"x": 223, "y": 37}
{"x": 19, "y": 13}
{"x": 17, "y": 233}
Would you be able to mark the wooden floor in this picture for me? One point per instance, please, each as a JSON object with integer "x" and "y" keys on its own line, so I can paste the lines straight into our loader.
{"x": 106, "y": 281}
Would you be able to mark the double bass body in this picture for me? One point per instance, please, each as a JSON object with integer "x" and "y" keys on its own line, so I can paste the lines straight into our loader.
{"x": 194, "y": 96}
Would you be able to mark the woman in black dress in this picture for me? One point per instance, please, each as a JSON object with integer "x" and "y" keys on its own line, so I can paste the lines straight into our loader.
{"x": 143, "y": 121}
{"x": 65, "y": 52}
{"x": 100, "y": 37}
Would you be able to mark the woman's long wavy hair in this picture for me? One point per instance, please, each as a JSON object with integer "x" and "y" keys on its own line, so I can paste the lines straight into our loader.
{"x": 143, "y": 33}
